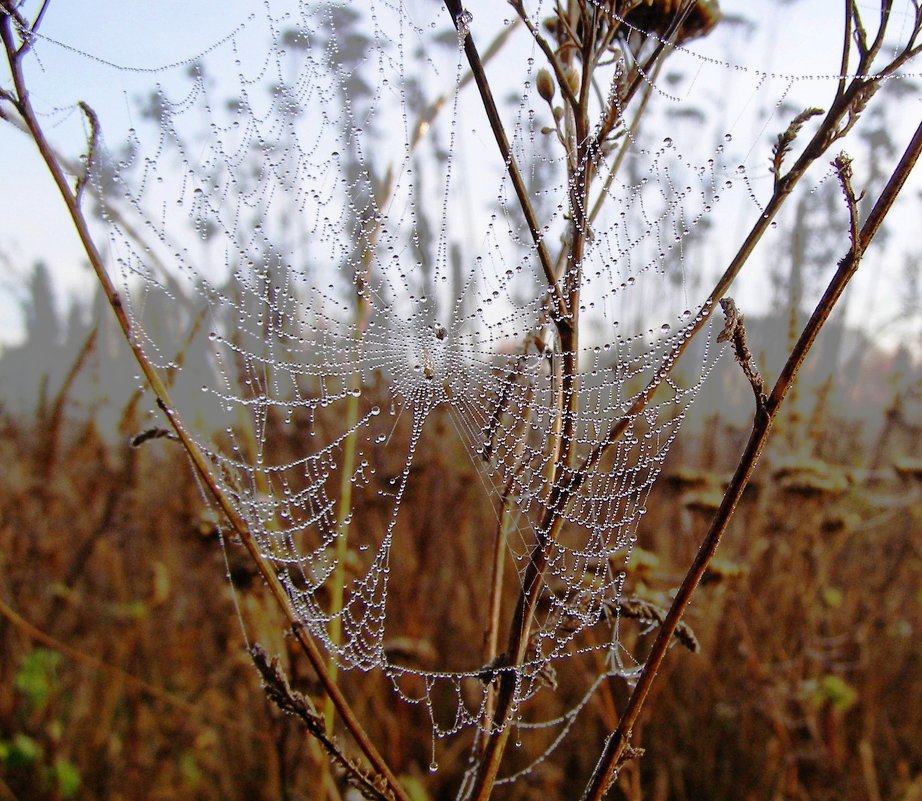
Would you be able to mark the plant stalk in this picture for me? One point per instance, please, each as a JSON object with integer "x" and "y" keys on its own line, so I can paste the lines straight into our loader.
{"x": 616, "y": 746}
{"x": 199, "y": 460}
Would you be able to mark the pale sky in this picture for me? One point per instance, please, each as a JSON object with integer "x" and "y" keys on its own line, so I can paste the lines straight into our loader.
{"x": 143, "y": 39}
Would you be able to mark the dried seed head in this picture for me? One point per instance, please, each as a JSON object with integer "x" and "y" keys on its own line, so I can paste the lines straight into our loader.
{"x": 572, "y": 75}
{"x": 545, "y": 83}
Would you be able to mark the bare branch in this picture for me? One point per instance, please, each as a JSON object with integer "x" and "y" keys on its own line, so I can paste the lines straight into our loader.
{"x": 279, "y": 691}
{"x": 616, "y": 744}
{"x": 457, "y": 12}
{"x": 843, "y": 167}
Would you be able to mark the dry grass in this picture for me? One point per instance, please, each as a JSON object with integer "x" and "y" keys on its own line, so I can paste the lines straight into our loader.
{"x": 135, "y": 678}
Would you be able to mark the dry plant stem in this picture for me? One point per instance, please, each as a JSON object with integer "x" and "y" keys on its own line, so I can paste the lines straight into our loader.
{"x": 53, "y": 425}
{"x": 199, "y": 460}
{"x": 617, "y": 744}
{"x": 294, "y": 703}
{"x": 586, "y": 150}
{"x": 844, "y": 104}
{"x": 362, "y": 318}
{"x": 491, "y": 639}
{"x": 844, "y": 110}
{"x": 849, "y": 100}
{"x": 111, "y": 211}
{"x": 456, "y": 10}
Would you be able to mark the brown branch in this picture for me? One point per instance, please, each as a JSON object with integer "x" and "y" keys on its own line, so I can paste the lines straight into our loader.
{"x": 842, "y": 106}
{"x": 290, "y": 701}
{"x": 843, "y": 167}
{"x": 52, "y": 432}
{"x": 559, "y": 310}
{"x": 618, "y": 742}
{"x": 847, "y": 106}
{"x": 200, "y": 462}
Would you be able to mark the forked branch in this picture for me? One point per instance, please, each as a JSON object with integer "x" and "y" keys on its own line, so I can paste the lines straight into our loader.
{"x": 849, "y": 102}
{"x": 616, "y": 747}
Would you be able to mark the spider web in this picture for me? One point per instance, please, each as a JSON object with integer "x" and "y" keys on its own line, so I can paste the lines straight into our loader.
{"x": 312, "y": 194}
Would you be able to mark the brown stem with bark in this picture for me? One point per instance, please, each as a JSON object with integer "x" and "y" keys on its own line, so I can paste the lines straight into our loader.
{"x": 847, "y": 105}
{"x": 496, "y": 124}
{"x": 618, "y": 744}
{"x": 200, "y": 462}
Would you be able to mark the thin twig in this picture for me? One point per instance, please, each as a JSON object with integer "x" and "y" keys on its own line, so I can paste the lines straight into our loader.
{"x": 735, "y": 332}
{"x": 198, "y": 458}
{"x": 559, "y": 311}
{"x": 850, "y": 19}
{"x": 843, "y": 167}
{"x": 854, "y": 97}
{"x": 606, "y": 769}
{"x": 290, "y": 701}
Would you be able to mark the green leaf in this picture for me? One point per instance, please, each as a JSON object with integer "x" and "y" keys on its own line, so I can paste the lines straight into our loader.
{"x": 22, "y": 751}
{"x": 66, "y": 777}
{"x": 414, "y": 788}
{"x": 832, "y": 597}
{"x": 36, "y": 676}
{"x": 838, "y": 692}
{"x": 189, "y": 769}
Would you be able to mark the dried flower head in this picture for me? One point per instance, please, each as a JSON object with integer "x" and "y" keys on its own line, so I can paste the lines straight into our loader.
{"x": 546, "y": 85}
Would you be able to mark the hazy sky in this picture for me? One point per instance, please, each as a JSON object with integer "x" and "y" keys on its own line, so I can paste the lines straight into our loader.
{"x": 143, "y": 39}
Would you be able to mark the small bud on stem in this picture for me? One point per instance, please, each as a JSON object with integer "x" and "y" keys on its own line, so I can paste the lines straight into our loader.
{"x": 546, "y": 85}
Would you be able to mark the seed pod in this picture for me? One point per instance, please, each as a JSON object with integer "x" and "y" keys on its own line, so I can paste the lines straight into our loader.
{"x": 572, "y": 75}
{"x": 545, "y": 83}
